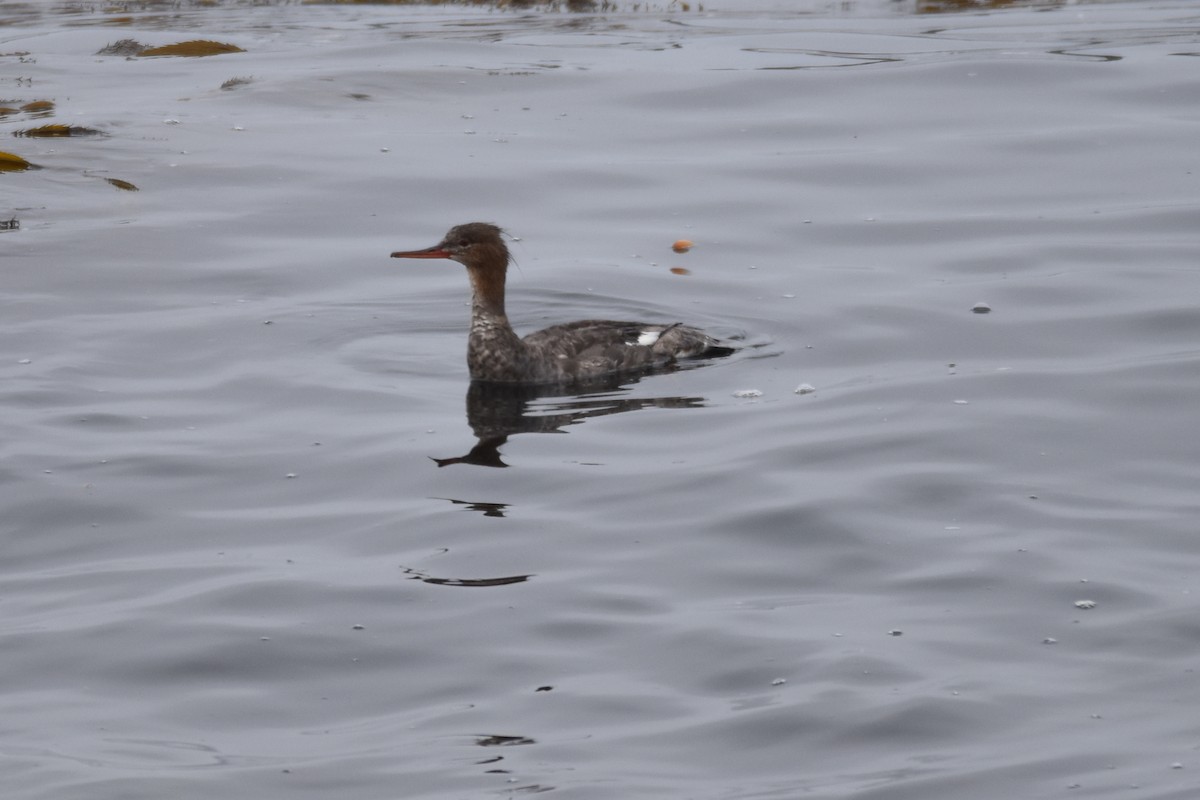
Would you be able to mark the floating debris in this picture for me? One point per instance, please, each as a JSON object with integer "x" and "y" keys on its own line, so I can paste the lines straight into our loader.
{"x": 58, "y": 130}
{"x": 122, "y": 47}
{"x": 465, "y": 582}
{"x": 38, "y": 107}
{"x": 680, "y": 271}
{"x": 981, "y": 308}
{"x": 7, "y": 111}
{"x": 500, "y": 740}
{"x": 744, "y": 394}
{"x": 10, "y": 162}
{"x": 123, "y": 185}
{"x": 683, "y": 245}
{"x": 194, "y": 48}
{"x": 805, "y": 388}
{"x": 779, "y": 681}
{"x": 895, "y": 632}
{"x": 10, "y": 224}
{"x": 961, "y": 402}
{"x": 1085, "y": 604}
{"x": 234, "y": 83}
{"x": 1049, "y": 640}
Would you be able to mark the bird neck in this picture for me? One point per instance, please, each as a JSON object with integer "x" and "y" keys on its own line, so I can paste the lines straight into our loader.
{"x": 494, "y": 351}
{"x": 487, "y": 297}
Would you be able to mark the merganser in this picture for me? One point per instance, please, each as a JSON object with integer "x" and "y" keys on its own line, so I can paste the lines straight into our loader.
{"x": 563, "y": 354}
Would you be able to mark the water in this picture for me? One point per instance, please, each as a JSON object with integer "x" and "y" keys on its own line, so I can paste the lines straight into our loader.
{"x": 233, "y": 564}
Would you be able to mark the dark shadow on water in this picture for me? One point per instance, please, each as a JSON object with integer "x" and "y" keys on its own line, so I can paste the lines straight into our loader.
{"x": 487, "y": 509}
{"x": 497, "y": 411}
{"x": 474, "y": 583}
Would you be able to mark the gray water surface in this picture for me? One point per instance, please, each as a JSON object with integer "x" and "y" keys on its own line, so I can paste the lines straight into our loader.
{"x": 963, "y": 566}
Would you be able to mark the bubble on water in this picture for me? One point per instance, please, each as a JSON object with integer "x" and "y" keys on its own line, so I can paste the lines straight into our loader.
{"x": 895, "y": 632}
{"x": 805, "y": 388}
{"x": 359, "y": 627}
{"x": 779, "y": 682}
{"x": 1085, "y": 604}
{"x": 290, "y": 475}
{"x": 747, "y": 393}
{"x": 981, "y": 308}
{"x": 961, "y": 402}
{"x": 25, "y": 361}
{"x": 1049, "y": 640}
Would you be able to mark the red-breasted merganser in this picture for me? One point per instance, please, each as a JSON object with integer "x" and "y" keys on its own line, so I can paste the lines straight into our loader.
{"x": 562, "y": 354}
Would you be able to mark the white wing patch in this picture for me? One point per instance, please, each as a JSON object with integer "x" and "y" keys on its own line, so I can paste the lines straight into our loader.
{"x": 647, "y": 338}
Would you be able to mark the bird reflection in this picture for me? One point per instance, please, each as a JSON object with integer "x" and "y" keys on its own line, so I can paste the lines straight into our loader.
{"x": 498, "y": 411}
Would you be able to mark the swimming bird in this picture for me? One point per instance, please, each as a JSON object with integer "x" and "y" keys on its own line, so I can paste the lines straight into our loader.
{"x": 563, "y": 354}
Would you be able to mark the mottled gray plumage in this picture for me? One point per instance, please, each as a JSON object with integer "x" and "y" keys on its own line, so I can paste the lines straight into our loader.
{"x": 561, "y": 354}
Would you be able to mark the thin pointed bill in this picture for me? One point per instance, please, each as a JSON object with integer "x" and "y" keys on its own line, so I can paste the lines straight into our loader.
{"x": 429, "y": 252}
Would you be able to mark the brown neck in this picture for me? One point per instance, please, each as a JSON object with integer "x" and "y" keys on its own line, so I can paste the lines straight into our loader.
{"x": 488, "y": 291}
{"x": 494, "y": 351}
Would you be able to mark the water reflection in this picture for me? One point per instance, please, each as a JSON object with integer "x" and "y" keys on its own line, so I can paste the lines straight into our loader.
{"x": 507, "y": 580}
{"x": 487, "y": 509}
{"x": 498, "y": 411}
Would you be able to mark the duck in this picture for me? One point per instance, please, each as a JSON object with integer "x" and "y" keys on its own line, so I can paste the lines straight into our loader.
{"x": 563, "y": 354}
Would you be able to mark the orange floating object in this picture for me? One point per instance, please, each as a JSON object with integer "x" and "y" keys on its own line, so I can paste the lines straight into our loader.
{"x": 11, "y": 162}
{"x": 681, "y": 271}
{"x": 193, "y": 48}
{"x": 682, "y": 245}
